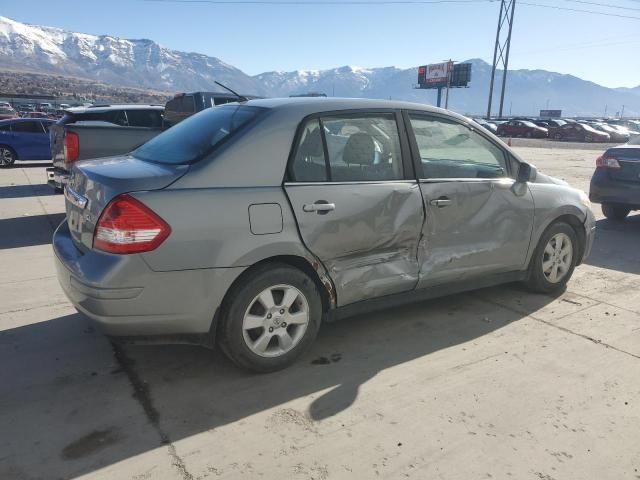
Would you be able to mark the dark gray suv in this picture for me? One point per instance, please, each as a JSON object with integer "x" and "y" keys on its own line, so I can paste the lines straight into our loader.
{"x": 254, "y": 222}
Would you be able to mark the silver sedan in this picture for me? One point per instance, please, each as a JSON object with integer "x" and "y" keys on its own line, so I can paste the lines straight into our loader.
{"x": 250, "y": 224}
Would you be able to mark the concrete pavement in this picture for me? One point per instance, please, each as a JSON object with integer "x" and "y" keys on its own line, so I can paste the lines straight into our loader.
{"x": 497, "y": 383}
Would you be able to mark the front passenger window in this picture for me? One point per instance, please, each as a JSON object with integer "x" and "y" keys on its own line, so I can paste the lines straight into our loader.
{"x": 452, "y": 150}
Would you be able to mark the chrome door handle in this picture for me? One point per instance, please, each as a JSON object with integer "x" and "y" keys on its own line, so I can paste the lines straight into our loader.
{"x": 319, "y": 207}
{"x": 441, "y": 202}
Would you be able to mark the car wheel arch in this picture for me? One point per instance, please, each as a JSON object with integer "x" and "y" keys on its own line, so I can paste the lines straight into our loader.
{"x": 13, "y": 150}
{"x": 575, "y": 223}
{"x": 322, "y": 282}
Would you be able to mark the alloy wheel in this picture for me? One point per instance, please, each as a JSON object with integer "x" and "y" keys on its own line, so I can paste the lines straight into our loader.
{"x": 557, "y": 258}
{"x": 275, "y": 321}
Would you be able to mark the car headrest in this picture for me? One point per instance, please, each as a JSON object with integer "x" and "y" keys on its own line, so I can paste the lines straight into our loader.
{"x": 359, "y": 150}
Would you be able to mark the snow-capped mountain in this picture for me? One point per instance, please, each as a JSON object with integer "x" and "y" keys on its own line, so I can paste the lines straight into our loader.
{"x": 135, "y": 63}
{"x": 528, "y": 91}
{"x": 146, "y": 64}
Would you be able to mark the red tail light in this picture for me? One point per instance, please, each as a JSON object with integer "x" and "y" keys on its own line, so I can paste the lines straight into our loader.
{"x": 126, "y": 225}
{"x": 607, "y": 161}
{"x": 71, "y": 146}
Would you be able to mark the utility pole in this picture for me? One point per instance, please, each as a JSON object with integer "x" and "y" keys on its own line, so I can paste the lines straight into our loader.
{"x": 622, "y": 114}
{"x": 501, "y": 50}
{"x": 449, "y": 68}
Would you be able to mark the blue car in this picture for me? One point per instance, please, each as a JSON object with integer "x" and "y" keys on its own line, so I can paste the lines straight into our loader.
{"x": 24, "y": 139}
{"x": 616, "y": 182}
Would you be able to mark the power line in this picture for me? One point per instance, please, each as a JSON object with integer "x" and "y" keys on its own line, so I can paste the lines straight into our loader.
{"x": 409, "y": 2}
{"x": 585, "y": 2}
{"x": 328, "y": 2}
{"x": 594, "y": 12}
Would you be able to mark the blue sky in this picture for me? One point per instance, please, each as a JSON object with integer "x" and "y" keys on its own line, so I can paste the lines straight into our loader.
{"x": 257, "y": 38}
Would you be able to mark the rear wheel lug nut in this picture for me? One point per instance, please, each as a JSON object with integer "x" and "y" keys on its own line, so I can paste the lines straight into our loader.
{"x": 284, "y": 324}
{"x": 270, "y": 329}
{"x": 282, "y": 310}
{"x": 269, "y": 316}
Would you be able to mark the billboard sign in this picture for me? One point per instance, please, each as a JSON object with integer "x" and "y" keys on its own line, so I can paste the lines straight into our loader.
{"x": 550, "y": 113}
{"x": 437, "y": 75}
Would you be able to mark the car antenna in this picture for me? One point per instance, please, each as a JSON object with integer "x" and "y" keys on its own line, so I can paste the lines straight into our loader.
{"x": 242, "y": 98}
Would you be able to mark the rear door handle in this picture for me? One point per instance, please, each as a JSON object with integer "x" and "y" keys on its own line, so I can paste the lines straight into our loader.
{"x": 321, "y": 207}
{"x": 441, "y": 202}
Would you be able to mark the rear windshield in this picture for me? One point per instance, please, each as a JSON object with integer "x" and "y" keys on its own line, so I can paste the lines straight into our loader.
{"x": 197, "y": 136}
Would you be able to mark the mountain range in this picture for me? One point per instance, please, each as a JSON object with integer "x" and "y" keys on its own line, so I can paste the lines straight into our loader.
{"x": 144, "y": 63}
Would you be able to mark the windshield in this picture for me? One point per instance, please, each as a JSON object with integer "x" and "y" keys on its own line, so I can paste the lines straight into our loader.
{"x": 197, "y": 136}
{"x": 529, "y": 124}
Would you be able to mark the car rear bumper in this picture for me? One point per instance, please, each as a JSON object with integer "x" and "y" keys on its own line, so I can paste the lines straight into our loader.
{"x": 605, "y": 190}
{"x": 57, "y": 178}
{"x": 128, "y": 299}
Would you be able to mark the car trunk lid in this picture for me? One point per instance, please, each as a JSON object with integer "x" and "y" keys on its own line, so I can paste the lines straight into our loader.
{"x": 629, "y": 160}
{"x": 94, "y": 184}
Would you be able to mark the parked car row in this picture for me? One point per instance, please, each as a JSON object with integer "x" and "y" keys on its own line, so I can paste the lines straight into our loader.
{"x": 568, "y": 129}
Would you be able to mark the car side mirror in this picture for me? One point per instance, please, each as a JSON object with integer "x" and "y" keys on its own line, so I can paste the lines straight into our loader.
{"x": 526, "y": 173}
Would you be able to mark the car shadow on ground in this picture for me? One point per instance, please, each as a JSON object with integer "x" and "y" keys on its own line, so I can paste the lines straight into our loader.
{"x": 79, "y": 404}
{"x": 28, "y": 230}
{"x": 23, "y": 191}
{"x": 616, "y": 244}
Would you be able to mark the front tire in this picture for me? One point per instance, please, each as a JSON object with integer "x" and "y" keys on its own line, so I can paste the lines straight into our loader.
{"x": 615, "y": 212}
{"x": 7, "y": 157}
{"x": 554, "y": 260}
{"x": 270, "y": 318}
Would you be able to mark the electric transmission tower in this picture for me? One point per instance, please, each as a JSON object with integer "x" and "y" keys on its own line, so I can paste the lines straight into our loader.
{"x": 501, "y": 49}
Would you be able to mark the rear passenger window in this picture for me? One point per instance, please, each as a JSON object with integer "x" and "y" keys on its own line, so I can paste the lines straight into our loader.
{"x": 360, "y": 149}
{"x": 309, "y": 164}
{"x": 452, "y": 150}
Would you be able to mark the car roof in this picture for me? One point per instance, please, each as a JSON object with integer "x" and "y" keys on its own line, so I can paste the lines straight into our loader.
{"x": 304, "y": 106}
{"x": 107, "y": 108}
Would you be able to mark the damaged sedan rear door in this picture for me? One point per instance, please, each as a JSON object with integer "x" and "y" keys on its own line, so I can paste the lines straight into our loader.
{"x": 357, "y": 202}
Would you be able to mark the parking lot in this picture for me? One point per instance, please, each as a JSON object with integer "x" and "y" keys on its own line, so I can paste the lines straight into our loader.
{"x": 498, "y": 383}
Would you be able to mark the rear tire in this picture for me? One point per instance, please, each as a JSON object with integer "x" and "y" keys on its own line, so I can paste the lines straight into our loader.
{"x": 554, "y": 259}
{"x": 270, "y": 318}
{"x": 7, "y": 157}
{"x": 615, "y": 212}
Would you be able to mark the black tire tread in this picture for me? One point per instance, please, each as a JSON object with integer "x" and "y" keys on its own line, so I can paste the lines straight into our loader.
{"x": 536, "y": 281}
{"x": 253, "y": 282}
